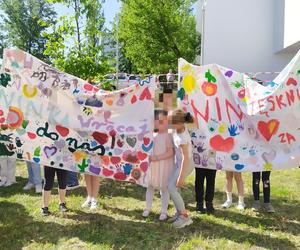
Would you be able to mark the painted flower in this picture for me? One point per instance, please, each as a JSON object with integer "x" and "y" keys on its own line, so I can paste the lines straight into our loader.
{"x": 136, "y": 173}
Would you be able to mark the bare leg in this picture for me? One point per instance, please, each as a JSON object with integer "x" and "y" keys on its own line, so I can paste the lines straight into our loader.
{"x": 62, "y": 195}
{"x": 88, "y": 182}
{"x": 239, "y": 183}
{"x": 95, "y": 180}
{"x": 229, "y": 177}
{"x": 46, "y": 198}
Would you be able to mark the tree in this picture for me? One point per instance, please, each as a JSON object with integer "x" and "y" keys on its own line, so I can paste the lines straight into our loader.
{"x": 23, "y": 23}
{"x": 74, "y": 45}
{"x": 155, "y": 33}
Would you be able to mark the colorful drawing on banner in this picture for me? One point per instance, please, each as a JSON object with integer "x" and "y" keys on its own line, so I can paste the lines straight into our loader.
{"x": 242, "y": 125}
{"x": 80, "y": 128}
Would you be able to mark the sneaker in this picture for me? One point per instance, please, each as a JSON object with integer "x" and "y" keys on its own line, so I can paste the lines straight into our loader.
{"x": 38, "y": 189}
{"x": 227, "y": 204}
{"x": 2, "y": 183}
{"x": 72, "y": 187}
{"x": 63, "y": 208}
{"x": 28, "y": 186}
{"x": 86, "y": 204}
{"x": 8, "y": 183}
{"x": 163, "y": 217}
{"x": 200, "y": 209}
{"x": 145, "y": 213}
{"x": 210, "y": 208}
{"x": 94, "y": 205}
{"x": 182, "y": 221}
{"x": 256, "y": 206}
{"x": 45, "y": 211}
{"x": 173, "y": 218}
{"x": 269, "y": 208}
{"x": 241, "y": 206}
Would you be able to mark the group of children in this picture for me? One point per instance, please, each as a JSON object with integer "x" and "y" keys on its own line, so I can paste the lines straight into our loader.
{"x": 170, "y": 166}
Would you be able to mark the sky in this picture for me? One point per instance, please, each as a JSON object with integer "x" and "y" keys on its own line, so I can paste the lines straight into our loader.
{"x": 110, "y": 7}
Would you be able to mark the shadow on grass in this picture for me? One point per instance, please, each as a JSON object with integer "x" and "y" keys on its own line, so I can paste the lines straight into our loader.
{"x": 117, "y": 233}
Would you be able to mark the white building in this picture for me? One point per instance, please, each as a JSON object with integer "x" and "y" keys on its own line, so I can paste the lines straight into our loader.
{"x": 250, "y": 35}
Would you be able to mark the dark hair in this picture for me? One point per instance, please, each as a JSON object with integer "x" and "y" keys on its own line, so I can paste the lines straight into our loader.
{"x": 157, "y": 112}
{"x": 179, "y": 116}
{"x": 188, "y": 118}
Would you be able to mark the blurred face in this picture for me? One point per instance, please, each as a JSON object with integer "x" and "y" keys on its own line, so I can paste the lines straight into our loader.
{"x": 176, "y": 126}
{"x": 161, "y": 122}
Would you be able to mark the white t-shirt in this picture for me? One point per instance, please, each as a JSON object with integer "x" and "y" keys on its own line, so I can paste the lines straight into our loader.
{"x": 183, "y": 138}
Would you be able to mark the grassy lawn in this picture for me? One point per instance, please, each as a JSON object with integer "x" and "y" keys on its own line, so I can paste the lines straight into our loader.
{"x": 118, "y": 224}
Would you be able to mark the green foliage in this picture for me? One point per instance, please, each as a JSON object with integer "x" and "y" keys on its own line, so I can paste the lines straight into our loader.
{"x": 23, "y": 23}
{"x": 74, "y": 45}
{"x": 155, "y": 33}
{"x": 4, "y": 79}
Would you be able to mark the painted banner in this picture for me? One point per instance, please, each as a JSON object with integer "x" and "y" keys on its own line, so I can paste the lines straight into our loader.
{"x": 58, "y": 120}
{"x": 241, "y": 124}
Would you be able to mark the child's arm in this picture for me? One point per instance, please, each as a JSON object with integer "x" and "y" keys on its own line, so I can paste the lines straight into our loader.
{"x": 166, "y": 155}
{"x": 184, "y": 165}
{"x": 169, "y": 153}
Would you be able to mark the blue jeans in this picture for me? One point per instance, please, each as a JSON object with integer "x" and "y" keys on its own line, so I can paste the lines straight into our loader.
{"x": 72, "y": 179}
{"x": 34, "y": 173}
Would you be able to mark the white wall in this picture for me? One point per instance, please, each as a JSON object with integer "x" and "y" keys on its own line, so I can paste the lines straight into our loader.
{"x": 292, "y": 22}
{"x": 245, "y": 34}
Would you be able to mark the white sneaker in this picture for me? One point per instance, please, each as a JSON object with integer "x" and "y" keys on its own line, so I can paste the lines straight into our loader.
{"x": 163, "y": 217}
{"x": 94, "y": 205}
{"x": 182, "y": 221}
{"x": 146, "y": 213}
{"x": 227, "y": 204}
{"x": 174, "y": 217}
{"x": 38, "y": 189}
{"x": 241, "y": 206}
{"x": 87, "y": 203}
{"x": 28, "y": 186}
{"x": 2, "y": 183}
{"x": 8, "y": 183}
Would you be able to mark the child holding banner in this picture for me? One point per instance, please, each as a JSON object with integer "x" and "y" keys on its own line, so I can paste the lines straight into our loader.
{"x": 92, "y": 189}
{"x": 183, "y": 152}
{"x": 162, "y": 162}
{"x": 265, "y": 176}
{"x": 49, "y": 175}
{"x": 240, "y": 187}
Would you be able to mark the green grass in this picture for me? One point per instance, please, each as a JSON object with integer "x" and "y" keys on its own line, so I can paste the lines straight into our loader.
{"x": 118, "y": 223}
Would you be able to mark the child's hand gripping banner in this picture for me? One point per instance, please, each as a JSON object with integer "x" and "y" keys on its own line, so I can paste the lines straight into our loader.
{"x": 59, "y": 120}
{"x": 242, "y": 125}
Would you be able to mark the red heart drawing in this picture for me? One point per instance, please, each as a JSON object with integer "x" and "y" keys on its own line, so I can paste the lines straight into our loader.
{"x": 120, "y": 143}
{"x": 101, "y": 138}
{"x": 133, "y": 99}
{"x": 130, "y": 156}
{"x": 146, "y": 141}
{"x": 62, "y": 130}
{"x": 142, "y": 156}
{"x": 144, "y": 166}
{"x": 115, "y": 160}
{"x": 88, "y": 87}
{"x": 145, "y": 94}
{"x": 291, "y": 81}
{"x": 107, "y": 172}
{"x": 218, "y": 143}
{"x": 31, "y": 135}
{"x": 120, "y": 176}
{"x": 268, "y": 129}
